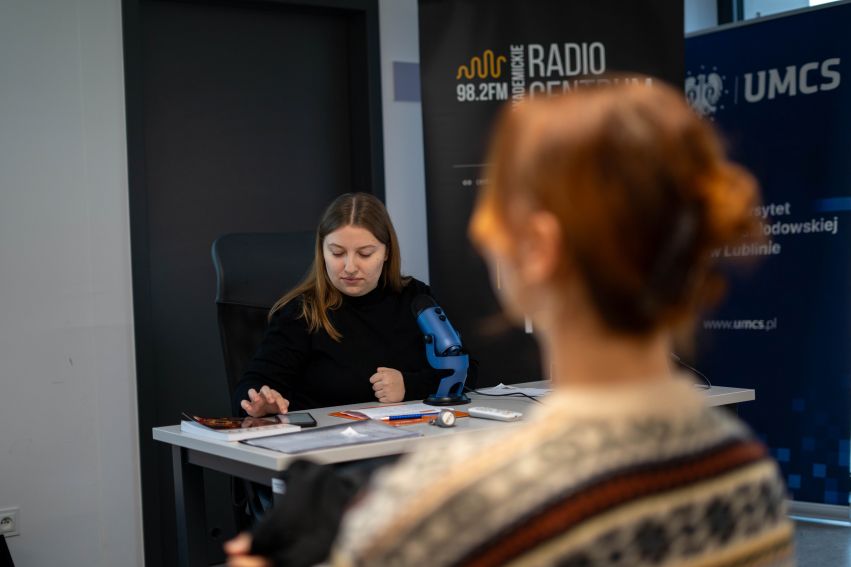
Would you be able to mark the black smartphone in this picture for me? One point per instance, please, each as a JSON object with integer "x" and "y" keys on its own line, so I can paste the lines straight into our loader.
{"x": 302, "y": 418}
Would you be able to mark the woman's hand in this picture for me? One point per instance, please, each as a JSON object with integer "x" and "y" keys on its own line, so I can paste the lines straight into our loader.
{"x": 265, "y": 402}
{"x": 388, "y": 384}
{"x": 238, "y": 549}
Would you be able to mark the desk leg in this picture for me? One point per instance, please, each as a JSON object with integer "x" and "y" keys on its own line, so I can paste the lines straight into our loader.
{"x": 279, "y": 488}
{"x": 190, "y": 508}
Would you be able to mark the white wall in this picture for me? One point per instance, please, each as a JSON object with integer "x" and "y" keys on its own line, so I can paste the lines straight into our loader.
{"x": 68, "y": 434}
{"x": 403, "y": 137}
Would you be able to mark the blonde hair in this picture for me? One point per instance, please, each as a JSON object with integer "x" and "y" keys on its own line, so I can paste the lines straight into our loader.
{"x": 318, "y": 295}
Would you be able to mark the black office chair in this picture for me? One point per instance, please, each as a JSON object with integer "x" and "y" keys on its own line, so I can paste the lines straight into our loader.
{"x": 252, "y": 271}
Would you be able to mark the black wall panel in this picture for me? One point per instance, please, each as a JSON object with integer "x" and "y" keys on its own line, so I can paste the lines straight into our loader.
{"x": 242, "y": 117}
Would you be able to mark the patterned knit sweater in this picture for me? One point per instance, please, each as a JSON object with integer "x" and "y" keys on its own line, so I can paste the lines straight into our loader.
{"x": 629, "y": 477}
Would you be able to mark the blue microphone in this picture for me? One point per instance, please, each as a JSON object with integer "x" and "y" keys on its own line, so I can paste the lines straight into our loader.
{"x": 443, "y": 351}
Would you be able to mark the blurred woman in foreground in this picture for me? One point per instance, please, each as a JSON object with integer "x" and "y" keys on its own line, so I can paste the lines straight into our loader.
{"x": 599, "y": 220}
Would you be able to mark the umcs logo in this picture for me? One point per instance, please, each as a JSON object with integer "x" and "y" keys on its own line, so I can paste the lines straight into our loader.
{"x": 806, "y": 79}
{"x": 704, "y": 92}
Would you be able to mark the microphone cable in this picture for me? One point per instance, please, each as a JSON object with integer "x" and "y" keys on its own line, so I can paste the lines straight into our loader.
{"x": 514, "y": 394}
{"x": 706, "y": 385}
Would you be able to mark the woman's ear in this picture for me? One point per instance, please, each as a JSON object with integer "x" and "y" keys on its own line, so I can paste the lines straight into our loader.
{"x": 539, "y": 252}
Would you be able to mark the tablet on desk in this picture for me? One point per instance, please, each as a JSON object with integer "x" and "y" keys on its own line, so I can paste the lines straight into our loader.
{"x": 354, "y": 433}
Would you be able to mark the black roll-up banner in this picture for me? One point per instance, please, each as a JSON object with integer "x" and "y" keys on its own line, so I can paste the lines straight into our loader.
{"x": 477, "y": 55}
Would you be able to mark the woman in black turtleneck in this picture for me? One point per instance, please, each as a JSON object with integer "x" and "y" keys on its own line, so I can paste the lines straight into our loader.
{"x": 346, "y": 334}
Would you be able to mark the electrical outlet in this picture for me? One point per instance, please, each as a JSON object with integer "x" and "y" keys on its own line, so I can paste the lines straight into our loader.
{"x": 9, "y": 522}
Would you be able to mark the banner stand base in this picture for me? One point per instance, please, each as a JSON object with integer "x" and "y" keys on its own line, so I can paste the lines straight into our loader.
{"x": 813, "y": 511}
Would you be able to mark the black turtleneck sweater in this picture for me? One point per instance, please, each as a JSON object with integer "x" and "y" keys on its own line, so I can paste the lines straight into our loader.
{"x": 313, "y": 370}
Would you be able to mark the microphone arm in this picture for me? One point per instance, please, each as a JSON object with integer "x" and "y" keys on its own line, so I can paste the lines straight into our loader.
{"x": 443, "y": 351}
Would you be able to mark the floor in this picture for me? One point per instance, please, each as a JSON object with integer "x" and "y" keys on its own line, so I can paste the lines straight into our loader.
{"x": 822, "y": 545}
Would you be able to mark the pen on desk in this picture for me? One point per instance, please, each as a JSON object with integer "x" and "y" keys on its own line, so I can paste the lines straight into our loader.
{"x": 409, "y": 416}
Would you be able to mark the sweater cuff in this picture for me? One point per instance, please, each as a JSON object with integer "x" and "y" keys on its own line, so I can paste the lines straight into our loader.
{"x": 421, "y": 384}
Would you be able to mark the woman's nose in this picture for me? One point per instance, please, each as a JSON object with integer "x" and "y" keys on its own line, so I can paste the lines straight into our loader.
{"x": 350, "y": 264}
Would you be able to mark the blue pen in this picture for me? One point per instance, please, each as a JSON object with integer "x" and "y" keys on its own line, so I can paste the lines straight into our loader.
{"x": 408, "y": 416}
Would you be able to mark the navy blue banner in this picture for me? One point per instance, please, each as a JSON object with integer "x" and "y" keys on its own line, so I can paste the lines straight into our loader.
{"x": 779, "y": 90}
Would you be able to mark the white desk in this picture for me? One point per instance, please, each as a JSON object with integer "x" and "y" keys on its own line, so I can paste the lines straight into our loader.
{"x": 190, "y": 455}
